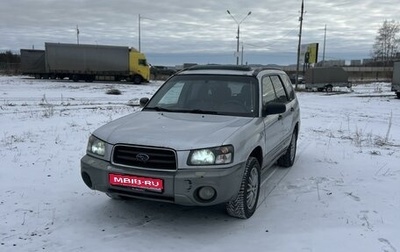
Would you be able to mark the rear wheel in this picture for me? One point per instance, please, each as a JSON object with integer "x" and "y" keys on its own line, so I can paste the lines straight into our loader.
{"x": 287, "y": 160}
{"x": 89, "y": 78}
{"x": 329, "y": 88}
{"x": 398, "y": 95}
{"x": 75, "y": 78}
{"x": 245, "y": 203}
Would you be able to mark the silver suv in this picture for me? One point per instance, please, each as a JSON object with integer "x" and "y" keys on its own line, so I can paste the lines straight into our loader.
{"x": 206, "y": 137}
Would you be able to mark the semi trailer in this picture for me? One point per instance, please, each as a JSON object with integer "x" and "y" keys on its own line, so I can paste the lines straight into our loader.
{"x": 33, "y": 63}
{"x": 86, "y": 62}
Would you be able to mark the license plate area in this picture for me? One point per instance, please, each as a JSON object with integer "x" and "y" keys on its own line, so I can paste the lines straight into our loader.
{"x": 138, "y": 182}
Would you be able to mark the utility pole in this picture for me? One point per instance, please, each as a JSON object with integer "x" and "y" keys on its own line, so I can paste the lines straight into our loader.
{"x": 139, "y": 37}
{"x": 299, "y": 45}
{"x": 139, "y": 33}
{"x": 241, "y": 58}
{"x": 77, "y": 34}
{"x": 323, "y": 53}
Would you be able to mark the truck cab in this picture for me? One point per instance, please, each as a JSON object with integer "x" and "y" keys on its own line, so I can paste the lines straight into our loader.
{"x": 139, "y": 70}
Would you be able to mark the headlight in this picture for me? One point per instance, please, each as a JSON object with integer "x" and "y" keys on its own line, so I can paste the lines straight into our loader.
{"x": 96, "y": 146}
{"x": 211, "y": 156}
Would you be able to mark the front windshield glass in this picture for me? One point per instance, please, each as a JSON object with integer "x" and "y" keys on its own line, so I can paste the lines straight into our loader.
{"x": 209, "y": 94}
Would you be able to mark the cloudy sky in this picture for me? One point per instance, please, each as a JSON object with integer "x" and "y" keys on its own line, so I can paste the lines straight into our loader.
{"x": 178, "y": 31}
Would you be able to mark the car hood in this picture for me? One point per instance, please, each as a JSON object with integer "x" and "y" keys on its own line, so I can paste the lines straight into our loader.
{"x": 180, "y": 131}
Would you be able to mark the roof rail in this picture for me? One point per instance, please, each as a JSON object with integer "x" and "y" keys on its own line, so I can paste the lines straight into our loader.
{"x": 259, "y": 69}
{"x": 220, "y": 67}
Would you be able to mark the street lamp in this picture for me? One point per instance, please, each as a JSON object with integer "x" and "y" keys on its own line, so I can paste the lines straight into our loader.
{"x": 238, "y": 33}
{"x": 140, "y": 19}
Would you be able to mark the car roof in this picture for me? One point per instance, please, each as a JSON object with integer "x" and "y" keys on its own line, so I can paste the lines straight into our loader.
{"x": 227, "y": 70}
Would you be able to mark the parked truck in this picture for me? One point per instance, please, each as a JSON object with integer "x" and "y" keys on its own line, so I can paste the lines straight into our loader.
{"x": 86, "y": 62}
{"x": 396, "y": 78}
{"x": 33, "y": 63}
{"x": 325, "y": 78}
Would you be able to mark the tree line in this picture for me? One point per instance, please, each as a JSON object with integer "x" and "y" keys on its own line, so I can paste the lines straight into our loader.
{"x": 9, "y": 62}
{"x": 386, "y": 48}
{"x": 9, "y": 57}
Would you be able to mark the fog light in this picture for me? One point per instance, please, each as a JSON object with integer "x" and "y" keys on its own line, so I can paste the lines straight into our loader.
{"x": 206, "y": 193}
{"x": 86, "y": 179}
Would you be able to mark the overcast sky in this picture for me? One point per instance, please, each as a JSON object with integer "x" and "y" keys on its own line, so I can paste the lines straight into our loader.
{"x": 202, "y": 27}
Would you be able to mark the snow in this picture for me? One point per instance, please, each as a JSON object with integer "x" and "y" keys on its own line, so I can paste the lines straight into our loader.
{"x": 342, "y": 194}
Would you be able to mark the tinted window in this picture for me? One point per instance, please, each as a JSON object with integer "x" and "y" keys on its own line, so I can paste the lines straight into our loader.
{"x": 279, "y": 89}
{"x": 288, "y": 86}
{"x": 268, "y": 90}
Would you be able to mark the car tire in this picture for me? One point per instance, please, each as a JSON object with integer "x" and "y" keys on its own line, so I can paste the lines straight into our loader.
{"x": 137, "y": 79}
{"x": 245, "y": 203}
{"x": 75, "y": 78}
{"x": 287, "y": 160}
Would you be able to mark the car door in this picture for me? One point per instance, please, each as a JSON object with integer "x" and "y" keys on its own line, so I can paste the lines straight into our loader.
{"x": 273, "y": 125}
{"x": 286, "y": 117}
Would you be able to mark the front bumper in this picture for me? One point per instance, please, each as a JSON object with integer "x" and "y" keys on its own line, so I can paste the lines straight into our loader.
{"x": 180, "y": 186}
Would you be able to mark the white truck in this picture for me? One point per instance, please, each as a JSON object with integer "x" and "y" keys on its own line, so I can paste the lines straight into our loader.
{"x": 396, "y": 79}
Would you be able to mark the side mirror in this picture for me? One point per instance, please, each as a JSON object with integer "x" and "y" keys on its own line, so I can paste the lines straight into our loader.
{"x": 273, "y": 108}
{"x": 143, "y": 101}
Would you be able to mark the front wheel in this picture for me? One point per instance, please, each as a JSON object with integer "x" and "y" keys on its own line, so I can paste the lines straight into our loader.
{"x": 245, "y": 203}
{"x": 137, "y": 79}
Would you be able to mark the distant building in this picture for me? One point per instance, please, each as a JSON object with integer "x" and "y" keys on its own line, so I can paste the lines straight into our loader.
{"x": 367, "y": 61}
{"x": 355, "y": 62}
{"x": 329, "y": 63}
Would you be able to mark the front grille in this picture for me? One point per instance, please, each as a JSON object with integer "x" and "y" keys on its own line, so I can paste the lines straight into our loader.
{"x": 144, "y": 157}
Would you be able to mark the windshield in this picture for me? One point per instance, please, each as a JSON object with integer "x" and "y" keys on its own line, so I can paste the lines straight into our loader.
{"x": 208, "y": 94}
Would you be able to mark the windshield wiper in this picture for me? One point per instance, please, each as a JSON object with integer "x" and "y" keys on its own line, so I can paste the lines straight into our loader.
{"x": 199, "y": 111}
{"x": 158, "y": 109}
{"x": 194, "y": 111}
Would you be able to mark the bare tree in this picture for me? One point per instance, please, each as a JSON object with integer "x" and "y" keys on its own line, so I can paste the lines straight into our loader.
{"x": 387, "y": 42}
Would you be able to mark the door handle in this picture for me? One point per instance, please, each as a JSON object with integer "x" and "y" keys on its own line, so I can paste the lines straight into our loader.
{"x": 291, "y": 109}
{"x": 280, "y": 117}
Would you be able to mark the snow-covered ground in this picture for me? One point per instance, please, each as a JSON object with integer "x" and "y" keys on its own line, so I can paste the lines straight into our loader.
{"x": 342, "y": 194}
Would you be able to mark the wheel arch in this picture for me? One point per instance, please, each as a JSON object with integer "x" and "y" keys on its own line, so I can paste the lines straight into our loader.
{"x": 296, "y": 128}
{"x": 258, "y": 154}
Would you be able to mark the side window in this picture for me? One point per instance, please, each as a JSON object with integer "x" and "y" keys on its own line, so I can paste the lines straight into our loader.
{"x": 268, "y": 92}
{"x": 279, "y": 89}
{"x": 142, "y": 62}
{"x": 288, "y": 86}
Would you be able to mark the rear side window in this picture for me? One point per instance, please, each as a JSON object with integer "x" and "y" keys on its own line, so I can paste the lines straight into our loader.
{"x": 288, "y": 86}
{"x": 279, "y": 89}
{"x": 268, "y": 91}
